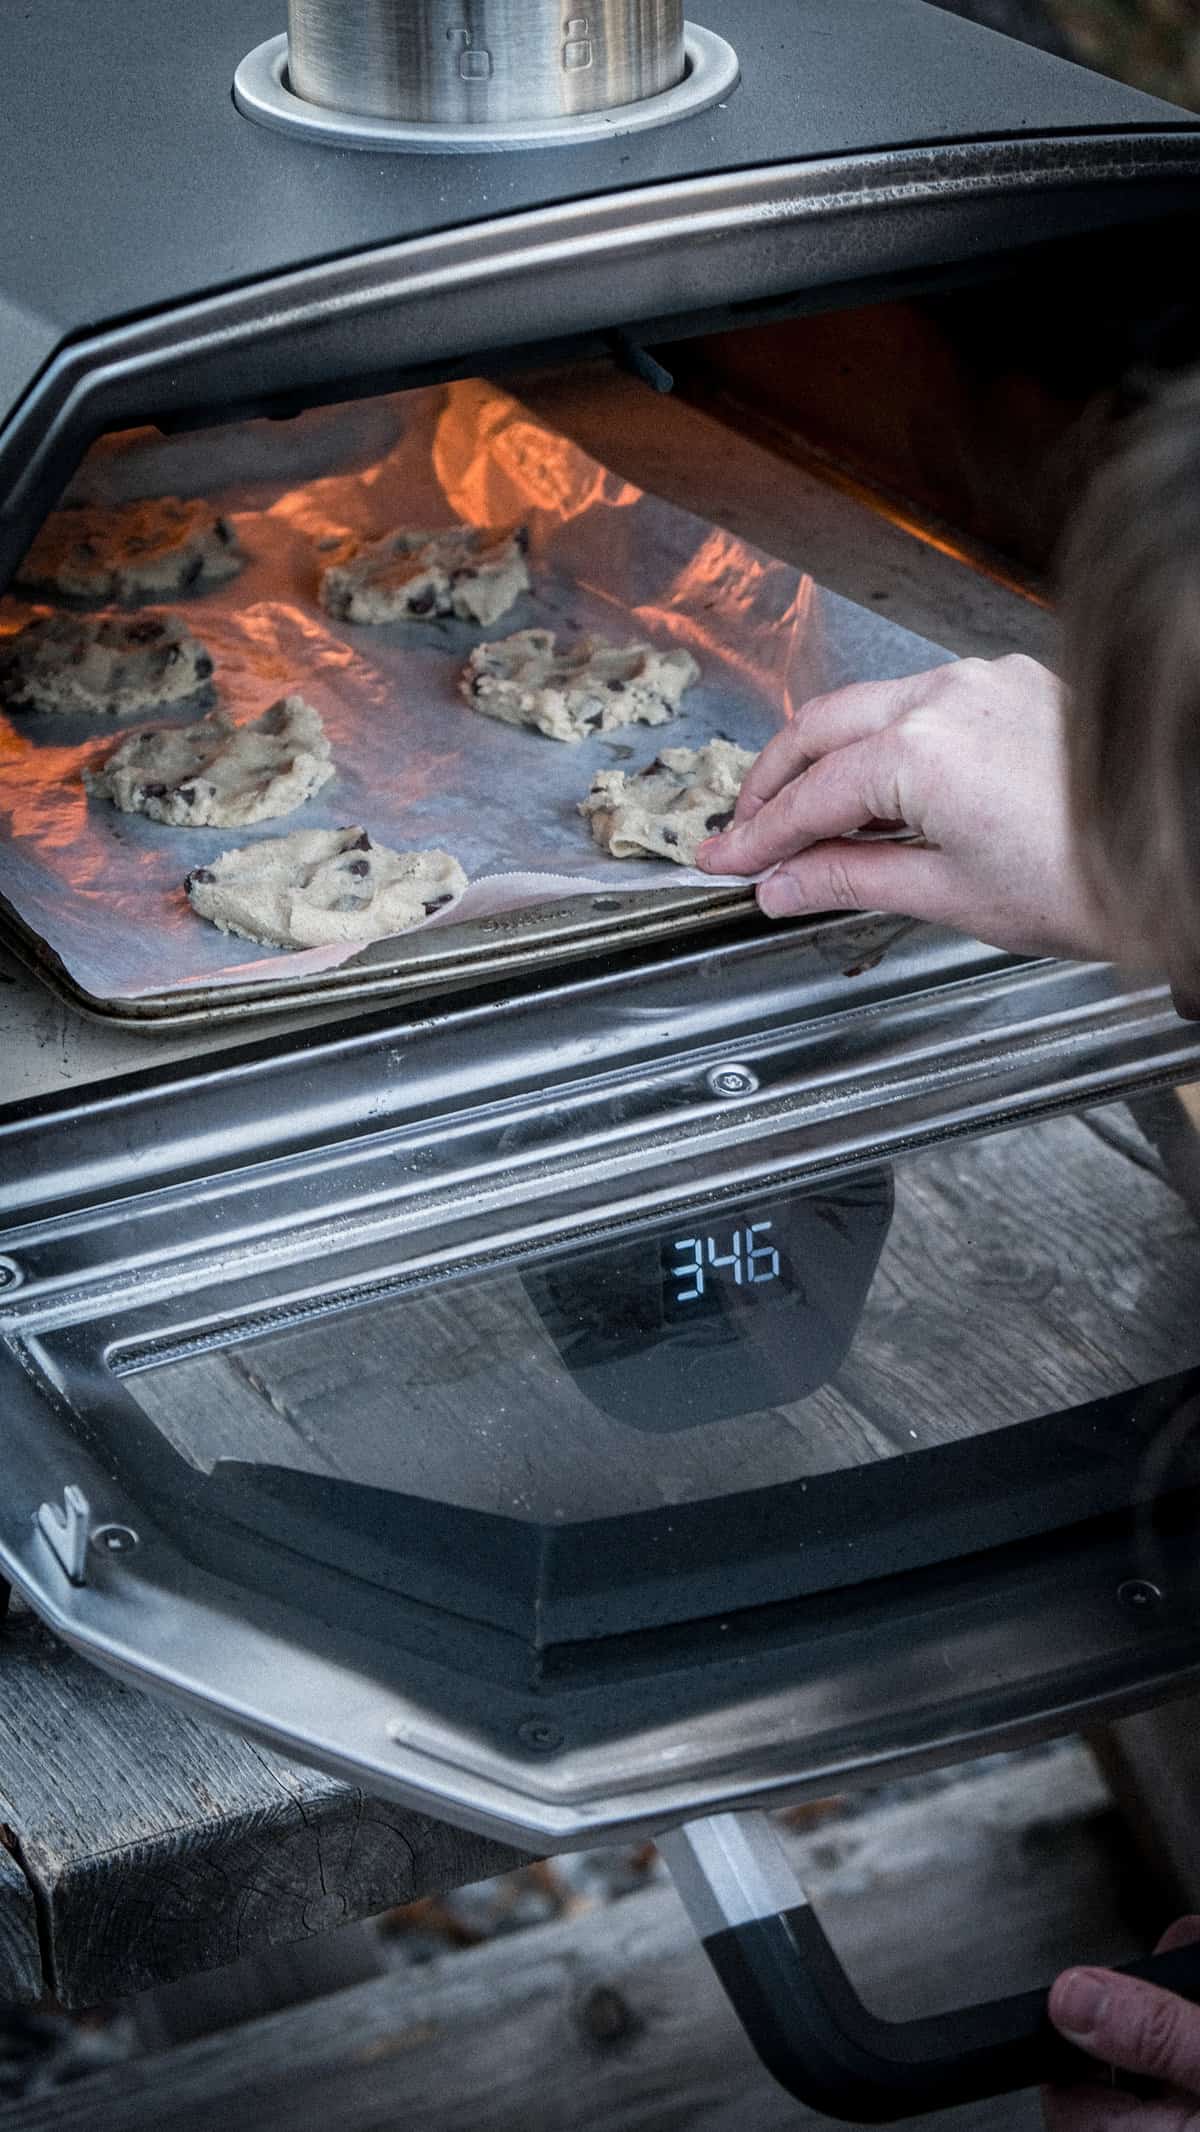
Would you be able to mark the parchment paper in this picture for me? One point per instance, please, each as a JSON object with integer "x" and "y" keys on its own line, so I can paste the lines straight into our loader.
{"x": 416, "y": 766}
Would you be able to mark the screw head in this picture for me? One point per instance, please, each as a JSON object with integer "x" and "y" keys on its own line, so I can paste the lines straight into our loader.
{"x": 11, "y": 1275}
{"x": 1139, "y": 1594}
{"x": 732, "y": 1081}
{"x": 114, "y": 1539}
{"x": 540, "y": 1735}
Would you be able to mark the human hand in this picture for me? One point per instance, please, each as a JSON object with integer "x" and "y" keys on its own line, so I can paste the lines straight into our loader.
{"x": 970, "y": 760}
{"x": 1139, "y": 2029}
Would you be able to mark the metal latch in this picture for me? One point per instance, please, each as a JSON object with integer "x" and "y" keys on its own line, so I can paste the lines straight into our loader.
{"x": 66, "y": 1531}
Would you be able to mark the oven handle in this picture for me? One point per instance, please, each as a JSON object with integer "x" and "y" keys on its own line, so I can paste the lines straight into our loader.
{"x": 807, "y": 2022}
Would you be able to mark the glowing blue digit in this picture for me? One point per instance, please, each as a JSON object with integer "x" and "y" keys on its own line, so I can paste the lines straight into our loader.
{"x": 756, "y": 1253}
{"x": 694, "y": 1272}
{"x": 733, "y": 1258}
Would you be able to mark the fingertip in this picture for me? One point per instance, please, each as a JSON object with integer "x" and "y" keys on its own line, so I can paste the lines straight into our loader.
{"x": 778, "y": 897}
{"x": 1078, "y": 2003}
{"x": 1183, "y": 1933}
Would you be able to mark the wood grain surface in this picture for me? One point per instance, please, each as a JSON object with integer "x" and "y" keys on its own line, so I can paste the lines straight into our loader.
{"x": 158, "y": 1846}
{"x": 613, "y": 2021}
{"x": 20, "y": 1955}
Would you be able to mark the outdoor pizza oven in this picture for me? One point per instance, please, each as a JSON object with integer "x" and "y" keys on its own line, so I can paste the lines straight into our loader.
{"x": 503, "y": 1371}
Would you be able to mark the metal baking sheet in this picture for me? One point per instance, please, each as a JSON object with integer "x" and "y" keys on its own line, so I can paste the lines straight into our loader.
{"x": 96, "y": 898}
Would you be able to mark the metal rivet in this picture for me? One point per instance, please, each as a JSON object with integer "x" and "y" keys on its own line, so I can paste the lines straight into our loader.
{"x": 11, "y": 1275}
{"x": 539, "y": 1735}
{"x": 114, "y": 1539}
{"x": 732, "y": 1081}
{"x": 1139, "y": 1594}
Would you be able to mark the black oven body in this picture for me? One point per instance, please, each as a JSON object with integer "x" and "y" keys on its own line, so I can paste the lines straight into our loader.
{"x": 555, "y": 1673}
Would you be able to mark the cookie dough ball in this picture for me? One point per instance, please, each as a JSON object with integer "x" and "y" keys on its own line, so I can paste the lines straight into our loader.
{"x": 422, "y": 576}
{"x": 572, "y": 694}
{"x": 318, "y": 887}
{"x": 111, "y": 666}
{"x": 218, "y": 774}
{"x": 152, "y": 550}
{"x": 666, "y": 810}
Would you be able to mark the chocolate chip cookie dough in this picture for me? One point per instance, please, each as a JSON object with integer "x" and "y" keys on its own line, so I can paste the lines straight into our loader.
{"x": 571, "y": 694}
{"x": 318, "y": 887}
{"x": 216, "y": 773}
{"x": 109, "y": 666}
{"x": 666, "y": 810}
{"x": 422, "y": 576}
{"x": 153, "y": 550}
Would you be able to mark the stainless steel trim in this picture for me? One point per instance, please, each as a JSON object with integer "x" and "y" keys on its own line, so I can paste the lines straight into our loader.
{"x": 492, "y": 63}
{"x": 154, "y": 1620}
{"x": 730, "y": 1869}
{"x": 262, "y": 91}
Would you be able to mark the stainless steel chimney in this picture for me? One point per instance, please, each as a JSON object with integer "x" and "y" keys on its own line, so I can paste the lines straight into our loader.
{"x": 455, "y": 62}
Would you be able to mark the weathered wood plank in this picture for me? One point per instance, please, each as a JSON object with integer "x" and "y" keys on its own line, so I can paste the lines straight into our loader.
{"x": 20, "y": 1956}
{"x": 614, "y": 2022}
{"x": 159, "y": 1846}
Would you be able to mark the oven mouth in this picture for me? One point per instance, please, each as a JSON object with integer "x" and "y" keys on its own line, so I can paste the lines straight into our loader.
{"x": 262, "y": 91}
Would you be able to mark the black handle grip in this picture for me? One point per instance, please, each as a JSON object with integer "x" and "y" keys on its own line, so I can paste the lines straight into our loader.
{"x": 813, "y": 2032}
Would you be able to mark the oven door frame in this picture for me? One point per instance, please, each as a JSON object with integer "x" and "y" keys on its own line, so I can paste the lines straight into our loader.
{"x": 271, "y": 1180}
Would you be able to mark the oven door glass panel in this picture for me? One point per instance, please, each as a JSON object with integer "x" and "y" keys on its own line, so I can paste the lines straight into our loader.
{"x": 734, "y": 1349}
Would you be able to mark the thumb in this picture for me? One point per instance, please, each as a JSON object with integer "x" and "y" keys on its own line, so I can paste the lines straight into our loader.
{"x": 841, "y": 874}
{"x": 1136, "y": 2026}
{"x": 1183, "y": 1933}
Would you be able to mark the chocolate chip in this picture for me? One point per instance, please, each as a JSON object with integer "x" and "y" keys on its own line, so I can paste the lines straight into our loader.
{"x": 204, "y": 665}
{"x": 420, "y": 603}
{"x": 361, "y": 843}
{"x": 596, "y": 719}
{"x": 187, "y": 793}
{"x": 720, "y": 821}
{"x": 200, "y": 873}
{"x": 191, "y": 574}
{"x": 438, "y": 904}
{"x": 147, "y": 631}
{"x": 171, "y": 656}
{"x": 669, "y": 837}
{"x": 521, "y": 537}
{"x": 651, "y": 767}
{"x": 224, "y": 532}
{"x": 153, "y": 792}
{"x": 617, "y": 687}
{"x": 357, "y": 866}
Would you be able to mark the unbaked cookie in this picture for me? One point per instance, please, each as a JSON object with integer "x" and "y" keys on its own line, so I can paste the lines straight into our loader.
{"x": 114, "y": 666}
{"x": 152, "y": 550}
{"x": 320, "y": 886}
{"x": 421, "y": 576}
{"x": 216, "y": 773}
{"x": 573, "y": 694}
{"x": 666, "y": 810}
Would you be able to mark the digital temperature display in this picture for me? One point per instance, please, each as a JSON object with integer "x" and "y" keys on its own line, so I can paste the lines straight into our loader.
{"x": 704, "y": 1273}
{"x": 729, "y": 1311}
